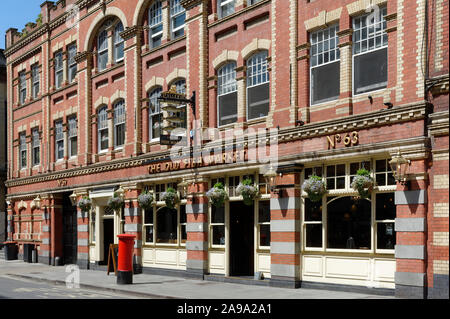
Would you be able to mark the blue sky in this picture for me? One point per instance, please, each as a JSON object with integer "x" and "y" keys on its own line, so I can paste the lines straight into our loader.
{"x": 16, "y": 13}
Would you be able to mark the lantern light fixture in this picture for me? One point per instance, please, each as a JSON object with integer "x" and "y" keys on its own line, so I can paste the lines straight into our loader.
{"x": 120, "y": 192}
{"x": 183, "y": 187}
{"x": 73, "y": 199}
{"x": 399, "y": 166}
{"x": 270, "y": 177}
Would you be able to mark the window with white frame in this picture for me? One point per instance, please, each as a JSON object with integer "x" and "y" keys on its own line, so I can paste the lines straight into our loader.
{"x": 347, "y": 221}
{"x": 59, "y": 73}
{"x": 59, "y": 140}
{"x": 183, "y": 224}
{"x": 264, "y": 223}
{"x": 73, "y": 136}
{"x": 177, "y": 17}
{"x": 383, "y": 173}
{"x": 227, "y": 94}
{"x": 36, "y": 147}
{"x": 325, "y": 65}
{"x": 72, "y": 63}
{"x": 257, "y": 86}
{"x": 154, "y": 113}
{"x": 370, "y": 60}
{"x": 22, "y": 87}
{"x": 22, "y": 150}
{"x": 119, "y": 124}
{"x": 35, "y": 79}
{"x": 102, "y": 50}
{"x": 103, "y": 129}
{"x": 118, "y": 43}
{"x": 92, "y": 226}
{"x": 166, "y": 225}
{"x": 148, "y": 226}
{"x": 155, "y": 24}
{"x": 225, "y": 8}
{"x": 217, "y": 224}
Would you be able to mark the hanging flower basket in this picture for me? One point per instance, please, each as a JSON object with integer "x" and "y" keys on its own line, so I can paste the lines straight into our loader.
{"x": 170, "y": 197}
{"x": 363, "y": 183}
{"x": 217, "y": 195}
{"x": 315, "y": 188}
{"x": 85, "y": 204}
{"x": 145, "y": 200}
{"x": 248, "y": 191}
{"x": 115, "y": 202}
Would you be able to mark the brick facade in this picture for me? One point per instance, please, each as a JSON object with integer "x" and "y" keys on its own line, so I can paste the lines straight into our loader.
{"x": 409, "y": 113}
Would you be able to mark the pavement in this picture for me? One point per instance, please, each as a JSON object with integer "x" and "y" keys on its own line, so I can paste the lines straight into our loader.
{"x": 167, "y": 287}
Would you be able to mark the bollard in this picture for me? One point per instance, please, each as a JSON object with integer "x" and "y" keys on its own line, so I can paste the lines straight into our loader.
{"x": 125, "y": 264}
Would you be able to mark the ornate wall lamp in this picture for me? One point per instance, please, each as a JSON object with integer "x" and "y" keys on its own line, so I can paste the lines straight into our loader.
{"x": 73, "y": 199}
{"x": 183, "y": 188}
{"x": 399, "y": 166}
{"x": 271, "y": 177}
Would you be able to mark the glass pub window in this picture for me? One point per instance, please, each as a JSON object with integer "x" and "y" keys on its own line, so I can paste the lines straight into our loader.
{"x": 155, "y": 24}
{"x": 92, "y": 226}
{"x": 118, "y": 43}
{"x": 227, "y": 94}
{"x": 257, "y": 86}
{"x": 383, "y": 173}
{"x": 148, "y": 226}
{"x": 102, "y": 129}
{"x": 22, "y": 87}
{"x": 72, "y": 63}
{"x": 36, "y": 145}
{"x": 335, "y": 176}
{"x": 325, "y": 65}
{"x": 119, "y": 124}
{"x": 178, "y": 17}
{"x": 370, "y": 61}
{"x": 226, "y": 7}
{"x": 264, "y": 223}
{"x": 313, "y": 223}
{"x": 58, "y": 69}
{"x": 59, "y": 140}
{"x": 166, "y": 225}
{"x": 35, "y": 80}
{"x": 73, "y": 139}
{"x": 385, "y": 220}
{"x": 218, "y": 225}
{"x": 154, "y": 113}
{"x": 183, "y": 224}
{"x": 23, "y": 150}
{"x": 349, "y": 223}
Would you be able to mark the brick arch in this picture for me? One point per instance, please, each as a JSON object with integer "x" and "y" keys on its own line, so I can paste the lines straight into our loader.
{"x": 225, "y": 56}
{"x": 176, "y": 74}
{"x": 141, "y": 8}
{"x": 154, "y": 82}
{"x": 98, "y": 22}
{"x": 255, "y": 46}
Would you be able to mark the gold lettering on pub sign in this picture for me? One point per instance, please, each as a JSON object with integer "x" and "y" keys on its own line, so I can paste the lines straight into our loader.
{"x": 208, "y": 160}
{"x": 62, "y": 183}
{"x": 349, "y": 139}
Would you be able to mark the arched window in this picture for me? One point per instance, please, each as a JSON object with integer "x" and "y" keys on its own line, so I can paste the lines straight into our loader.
{"x": 118, "y": 43}
{"x": 154, "y": 113}
{"x": 119, "y": 123}
{"x": 227, "y": 94}
{"x": 155, "y": 24}
{"x": 257, "y": 86}
{"x": 102, "y": 50}
{"x": 102, "y": 129}
{"x": 177, "y": 17}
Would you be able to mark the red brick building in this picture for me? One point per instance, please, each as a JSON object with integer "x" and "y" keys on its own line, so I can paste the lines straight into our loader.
{"x": 306, "y": 88}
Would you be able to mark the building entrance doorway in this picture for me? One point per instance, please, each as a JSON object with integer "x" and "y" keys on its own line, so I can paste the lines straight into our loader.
{"x": 108, "y": 238}
{"x": 70, "y": 233}
{"x": 241, "y": 253}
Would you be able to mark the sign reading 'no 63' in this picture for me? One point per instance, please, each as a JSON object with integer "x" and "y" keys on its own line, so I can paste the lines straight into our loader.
{"x": 348, "y": 139}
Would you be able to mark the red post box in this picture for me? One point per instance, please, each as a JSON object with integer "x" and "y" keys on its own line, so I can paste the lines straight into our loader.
{"x": 125, "y": 264}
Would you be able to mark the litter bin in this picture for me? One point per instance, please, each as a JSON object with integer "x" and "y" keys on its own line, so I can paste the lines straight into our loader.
{"x": 10, "y": 251}
{"x": 125, "y": 267}
{"x": 28, "y": 253}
